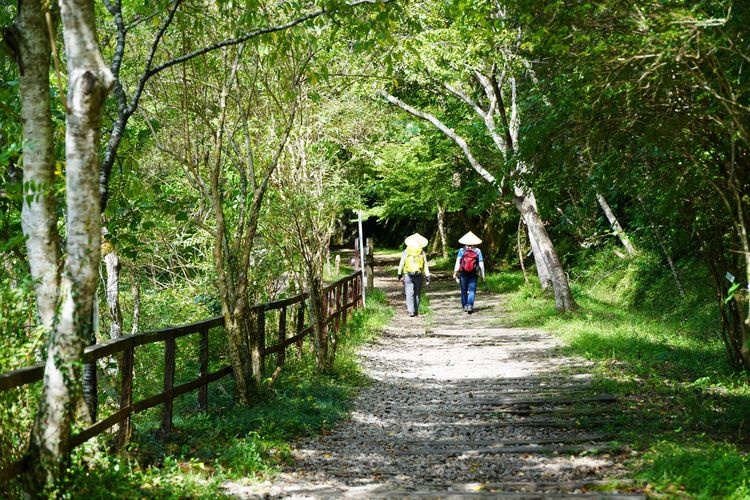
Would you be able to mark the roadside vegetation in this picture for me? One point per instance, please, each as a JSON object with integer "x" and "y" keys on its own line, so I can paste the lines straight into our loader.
{"x": 229, "y": 441}
{"x": 681, "y": 405}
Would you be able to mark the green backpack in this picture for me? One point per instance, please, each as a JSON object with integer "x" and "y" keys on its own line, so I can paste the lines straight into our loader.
{"x": 414, "y": 261}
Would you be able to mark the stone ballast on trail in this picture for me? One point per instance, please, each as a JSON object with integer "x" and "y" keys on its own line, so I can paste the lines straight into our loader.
{"x": 459, "y": 405}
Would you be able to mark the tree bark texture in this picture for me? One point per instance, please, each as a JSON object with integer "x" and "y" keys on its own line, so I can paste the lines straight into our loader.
{"x": 89, "y": 81}
{"x": 112, "y": 265}
{"x": 563, "y": 298}
{"x": 441, "y": 231}
{"x": 615, "y": 224}
{"x": 135, "y": 291}
{"x": 38, "y": 213}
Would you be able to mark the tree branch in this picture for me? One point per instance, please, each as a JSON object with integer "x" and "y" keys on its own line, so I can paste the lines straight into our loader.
{"x": 449, "y": 132}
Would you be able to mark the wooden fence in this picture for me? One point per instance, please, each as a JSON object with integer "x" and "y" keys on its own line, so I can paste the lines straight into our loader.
{"x": 338, "y": 298}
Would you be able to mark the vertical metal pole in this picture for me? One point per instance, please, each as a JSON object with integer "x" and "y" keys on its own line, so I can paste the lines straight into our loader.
{"x": 362, "y": 254}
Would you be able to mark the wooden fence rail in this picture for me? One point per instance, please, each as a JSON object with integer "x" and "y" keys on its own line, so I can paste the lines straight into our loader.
{"x": 339, "y": 298}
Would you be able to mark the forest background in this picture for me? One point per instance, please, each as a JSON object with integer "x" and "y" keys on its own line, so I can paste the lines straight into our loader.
{"x": 595, "y": 144}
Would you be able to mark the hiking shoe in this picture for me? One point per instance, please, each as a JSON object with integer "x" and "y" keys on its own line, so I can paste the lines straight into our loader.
{"x": 469, "y": 309}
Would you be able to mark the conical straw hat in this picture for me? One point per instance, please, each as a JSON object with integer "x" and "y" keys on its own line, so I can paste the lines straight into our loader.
{"x": 470, "y": 239}
{"x": 416, "y": 240}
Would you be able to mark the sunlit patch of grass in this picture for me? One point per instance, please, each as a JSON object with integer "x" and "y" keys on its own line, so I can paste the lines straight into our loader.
{"x": 701, "y": 469}
{"x": 679, "y": 400}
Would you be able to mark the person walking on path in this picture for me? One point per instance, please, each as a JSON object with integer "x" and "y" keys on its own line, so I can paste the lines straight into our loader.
{"x": 469, "y": 266}
{"x": 413, "y": 270}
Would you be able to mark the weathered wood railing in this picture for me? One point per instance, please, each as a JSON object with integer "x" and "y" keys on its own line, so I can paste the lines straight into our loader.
{"x": 339, "y": 298}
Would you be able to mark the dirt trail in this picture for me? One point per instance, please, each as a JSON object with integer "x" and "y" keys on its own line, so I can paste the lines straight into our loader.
{"x": 462, "y": 405}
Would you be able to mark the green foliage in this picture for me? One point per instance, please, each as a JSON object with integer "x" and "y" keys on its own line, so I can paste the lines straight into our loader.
{"x": 680, "y": 401}
{"x": 231, "y": 441}
{"x": 699, "y": 469}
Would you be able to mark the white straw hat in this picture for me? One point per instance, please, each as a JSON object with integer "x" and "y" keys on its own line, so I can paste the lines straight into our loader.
{"x": 416, "y": 240}
{"x": 470, "y": 239}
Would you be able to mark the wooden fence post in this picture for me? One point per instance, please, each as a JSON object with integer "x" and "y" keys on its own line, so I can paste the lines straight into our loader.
{"x": 356, "y": 262}
{"x": 337, "y": 307}
{"x": 281, "y": 357}
{"x": 345, "y": 294}
{"x": 370, "y": 264}
{"x": 203, "y": 360}
{"x": 261, "y": 340}
{"x": 169, "y": 362}
{"x": 300, "y": 324}
{"x": 126, "y": 396}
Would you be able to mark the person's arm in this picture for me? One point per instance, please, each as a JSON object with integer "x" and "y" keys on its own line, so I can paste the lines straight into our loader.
{"x": 400, "y": 271}
{"x": 457, "y": 266}
{"x": 426, "y": 267}
{"x": 481, "y": 262}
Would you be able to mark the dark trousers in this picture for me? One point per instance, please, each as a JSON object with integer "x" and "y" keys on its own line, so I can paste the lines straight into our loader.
{"x": 412, "y": 289}
{"x": 468, "y": 288}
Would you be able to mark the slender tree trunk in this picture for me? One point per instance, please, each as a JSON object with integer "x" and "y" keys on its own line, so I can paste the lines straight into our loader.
{"x": 38, "y": 213}
{"x": 563, "y": 298}
{"x": 542, "y": 270}
{"x": 89, "y": 80}
{"x": 255, "y": 357}
{"x": 320, "y": 330}
{"x": 239, "y": 352}
{"x": 135, "y": 291}
{"x": 112, "y": 264}
{"x": 441, "y": 231}
{"x": 615, "y": 224}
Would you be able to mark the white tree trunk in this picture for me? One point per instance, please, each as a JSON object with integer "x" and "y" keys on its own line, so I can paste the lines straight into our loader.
{"x": 38, "y": 214}
{"x": 89, "y": 81}
{"x": 135, "y": 291}
{"x": 441, "y": 231}
{"x": 615, "y": 224}
{"x": 112, "y": 264}
{"x": 563, "y": 298}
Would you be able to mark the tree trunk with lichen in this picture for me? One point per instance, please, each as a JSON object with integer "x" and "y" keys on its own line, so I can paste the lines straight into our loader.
{"x": 89, "y": 81}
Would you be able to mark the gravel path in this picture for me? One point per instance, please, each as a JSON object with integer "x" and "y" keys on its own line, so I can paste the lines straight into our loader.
{"x": 461, "y": 405}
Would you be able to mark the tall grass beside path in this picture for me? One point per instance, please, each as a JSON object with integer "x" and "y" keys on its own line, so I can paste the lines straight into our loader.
{"x": 682, "y": 408}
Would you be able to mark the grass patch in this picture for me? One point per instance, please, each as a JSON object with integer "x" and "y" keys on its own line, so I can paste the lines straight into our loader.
{"x": 681, "y": 405}
{"x": 230, "y": 442}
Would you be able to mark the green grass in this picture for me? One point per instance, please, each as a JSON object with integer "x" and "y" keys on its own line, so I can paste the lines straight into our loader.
{"x": 681, "y": 405}
{"x": 230, "y": 442}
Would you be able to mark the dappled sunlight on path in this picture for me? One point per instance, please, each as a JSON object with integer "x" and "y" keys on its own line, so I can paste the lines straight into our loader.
{"x": 461, "y": 404}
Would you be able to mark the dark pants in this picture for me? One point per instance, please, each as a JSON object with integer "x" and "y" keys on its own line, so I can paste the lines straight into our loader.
{"x": 468, "y": 289}
{"x": 412, "y": 289}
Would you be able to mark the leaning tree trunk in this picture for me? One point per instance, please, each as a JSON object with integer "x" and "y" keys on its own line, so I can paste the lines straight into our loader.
{"x": 38, "y": 215}
{"x": 563, "y": 298}
{"x": 615, "y": 224}
{"x": 542, "y": 269}
{"x": 89, "y": 81}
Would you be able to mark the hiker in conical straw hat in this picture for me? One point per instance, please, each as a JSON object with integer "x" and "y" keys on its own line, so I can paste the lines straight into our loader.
{"x": 469, "y": 266}
{"x": 413, "y": 271}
